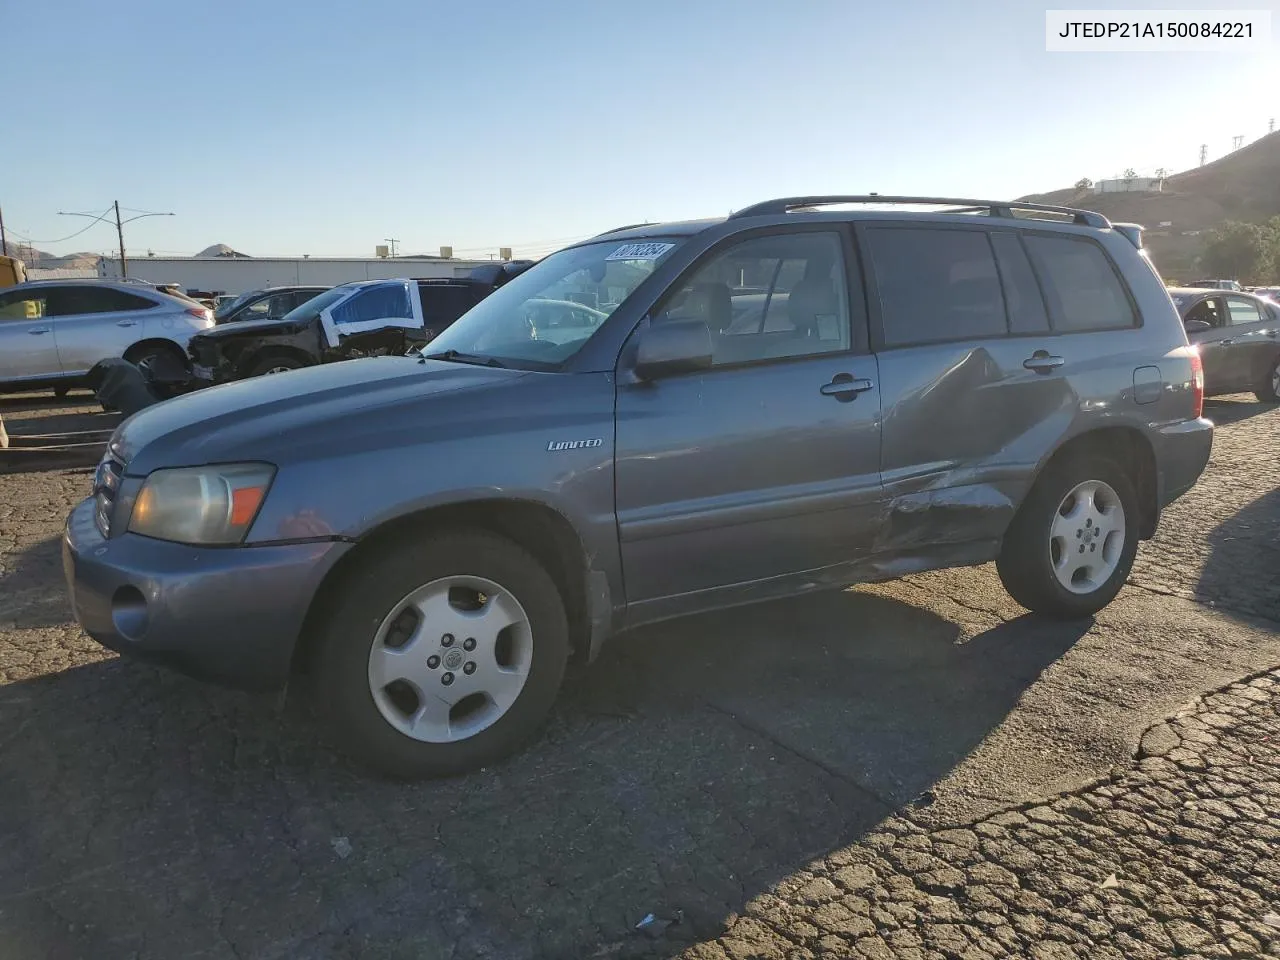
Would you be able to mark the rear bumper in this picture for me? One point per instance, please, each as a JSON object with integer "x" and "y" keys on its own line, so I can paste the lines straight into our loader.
{"x": 1182, "y": 454}
{"x": 231, "y": 615}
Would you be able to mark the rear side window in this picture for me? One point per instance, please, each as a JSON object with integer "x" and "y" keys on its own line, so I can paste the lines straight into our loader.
{"x": 390, "y": 302}
{"x": 936, "y": 285}
{"x": 1242, "y": 311}
{"x": 70, "y": 301}
{"x": 1026, "y": 305}
{"x": 1082, "y": 287}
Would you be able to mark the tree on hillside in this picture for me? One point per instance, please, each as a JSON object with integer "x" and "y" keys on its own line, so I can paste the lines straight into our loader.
{"x": 1084, "y": 183}
{"x": 1161, "y": 173}
{"x": 1238, "y": 251}
{"x": 1130, "y": 173}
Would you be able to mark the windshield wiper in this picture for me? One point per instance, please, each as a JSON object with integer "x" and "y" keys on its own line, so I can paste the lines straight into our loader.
{"x": 455, "y": 356}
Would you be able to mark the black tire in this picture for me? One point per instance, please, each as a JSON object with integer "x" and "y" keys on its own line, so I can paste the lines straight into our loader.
{"x": 1267, "y": 392}
{"x": 271, "y": 363}
{"x": 1025, "y": 563}
{"x": 145, "y": 354}
{"x": 339, "y": 678}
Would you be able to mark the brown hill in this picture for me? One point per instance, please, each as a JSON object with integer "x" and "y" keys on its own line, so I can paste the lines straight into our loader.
{"x": 1243, "y": 185}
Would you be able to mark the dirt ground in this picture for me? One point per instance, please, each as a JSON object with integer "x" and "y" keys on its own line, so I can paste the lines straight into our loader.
{"x": 914, "y": 769}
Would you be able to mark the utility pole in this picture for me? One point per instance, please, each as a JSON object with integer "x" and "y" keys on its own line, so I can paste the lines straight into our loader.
{"x": 102, "y": 218}
{"x": 393, "y": 244}
{"x": 1236, "y": 142}
{"x": 124, "y": 269}
{"x": 1271, "y": 125}
{"x": 4, "y": 243}
{"x": 1204, "y": 153}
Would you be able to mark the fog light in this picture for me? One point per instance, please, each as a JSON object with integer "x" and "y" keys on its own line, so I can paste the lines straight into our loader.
{"x": 129, "y": 613}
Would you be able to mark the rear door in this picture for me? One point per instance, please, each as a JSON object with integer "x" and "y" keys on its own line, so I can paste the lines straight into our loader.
{"x": 1251, "y": 345}
{"x": 94, "y": 323}
{"x": 750, "y": 478}
{"x": 27, "y": 345}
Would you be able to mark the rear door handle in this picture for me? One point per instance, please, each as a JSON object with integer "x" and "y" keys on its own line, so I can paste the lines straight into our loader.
{"x": 126, "y": 323}
{"x": 1042, "y": 362}
{"x": 844, "y": 387}
{"x": 36, "y": 331}
{"x": 1227, "y": 342}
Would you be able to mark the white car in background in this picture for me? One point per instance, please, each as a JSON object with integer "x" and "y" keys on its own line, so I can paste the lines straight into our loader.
{"x": 52, "y": 332}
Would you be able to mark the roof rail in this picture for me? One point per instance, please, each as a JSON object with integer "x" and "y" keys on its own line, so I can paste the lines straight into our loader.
{"x": 629, "y": 226}
{"x": 994, "y": 208}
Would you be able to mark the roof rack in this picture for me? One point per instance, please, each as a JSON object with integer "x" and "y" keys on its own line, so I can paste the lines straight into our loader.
{"x": 629, "y": 226}
{"x": 993, "y": 208}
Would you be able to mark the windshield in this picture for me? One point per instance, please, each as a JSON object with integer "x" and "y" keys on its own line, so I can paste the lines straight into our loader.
{"x": 226, "y": 306}
{"x": 311, "y": 309}
{"x": 547, "y": 313}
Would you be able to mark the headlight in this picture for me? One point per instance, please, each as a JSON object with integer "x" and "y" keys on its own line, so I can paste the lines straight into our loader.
{"x": 201, "y": 505}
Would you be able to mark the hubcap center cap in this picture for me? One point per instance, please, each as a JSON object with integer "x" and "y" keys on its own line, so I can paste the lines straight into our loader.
{"x": 453, "y": 659}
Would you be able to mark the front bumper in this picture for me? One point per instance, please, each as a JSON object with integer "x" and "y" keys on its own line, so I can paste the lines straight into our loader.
{"x": 232, "y": 615}
{"x": 1182, "y": 454}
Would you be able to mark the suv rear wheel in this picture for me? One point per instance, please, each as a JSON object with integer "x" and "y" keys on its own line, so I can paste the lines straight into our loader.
{"x": 441, "y": 655}
{"x": 1071, "y": 545}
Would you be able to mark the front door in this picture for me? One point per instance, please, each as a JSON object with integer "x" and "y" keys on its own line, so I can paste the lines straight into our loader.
{"x": 1252, "y": 351}
{"x": 27, "y": 346}
{"x": 752, "y": 477}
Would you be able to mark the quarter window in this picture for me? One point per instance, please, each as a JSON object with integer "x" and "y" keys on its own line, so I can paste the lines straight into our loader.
{"x": 936, "y": 285}
{"x": 769, "y": 298}
{"x": 1082, "y": 287}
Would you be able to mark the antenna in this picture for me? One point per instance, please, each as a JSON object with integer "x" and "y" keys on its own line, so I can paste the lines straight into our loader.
{"x": 1236, "y": 142}
{"x": 1204, "y": 153}
{"x": 393, "y": 243}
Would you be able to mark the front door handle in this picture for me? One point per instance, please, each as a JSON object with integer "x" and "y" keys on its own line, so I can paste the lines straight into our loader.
{"x": 845, "y": 387}
{"x": 126, "y": 323}
{"x": 1227, "y": 342}
{"x": 36, "y": 331}
{"x": 1042, "y": 362}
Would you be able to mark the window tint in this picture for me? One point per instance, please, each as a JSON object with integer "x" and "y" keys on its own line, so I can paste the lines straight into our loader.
{"x": 769, "y": 298}
{"x": 21, "y": 306}
{"x": 936, "y": 285}
{"x": 1082, "y": 287}
{"x": 73, "y": 301}
{"x": 1242, "y": 311}
{"x": 387, "y": 302}
{"x": 1210, "y": 311}
{"x": 442, "y": 304}
{"x": 1022, "y": 293}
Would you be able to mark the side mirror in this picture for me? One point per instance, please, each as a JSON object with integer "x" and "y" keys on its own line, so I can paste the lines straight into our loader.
{"x": 1197, "y": 326}
{"x": 676, "y": 346}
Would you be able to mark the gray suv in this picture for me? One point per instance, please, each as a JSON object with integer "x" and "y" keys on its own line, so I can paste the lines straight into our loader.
{"x": 668, "y": 418}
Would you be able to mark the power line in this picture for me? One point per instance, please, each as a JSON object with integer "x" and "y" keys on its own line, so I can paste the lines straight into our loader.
{"x": 66, "y": 238}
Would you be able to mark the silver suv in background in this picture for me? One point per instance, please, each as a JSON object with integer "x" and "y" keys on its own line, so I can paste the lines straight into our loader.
{"x": 663, "y": 420}
{"x": 52, "y": 332}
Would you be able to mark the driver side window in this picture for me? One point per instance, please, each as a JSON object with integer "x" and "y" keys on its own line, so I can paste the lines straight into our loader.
{"x": 1210, "y": 311}
{"x": 769, "y": 298}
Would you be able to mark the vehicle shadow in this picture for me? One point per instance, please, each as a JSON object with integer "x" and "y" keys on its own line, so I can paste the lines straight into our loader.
{"x": 698, "y": 763}
{"x": 1223, "y": 411}
{"x": 42, "y": 440}
{"x": 1242, "y": 573}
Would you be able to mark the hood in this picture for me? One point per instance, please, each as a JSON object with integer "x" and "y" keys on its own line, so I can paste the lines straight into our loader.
{"x": 266, "y": 418}
{"x": 229, "y": 328}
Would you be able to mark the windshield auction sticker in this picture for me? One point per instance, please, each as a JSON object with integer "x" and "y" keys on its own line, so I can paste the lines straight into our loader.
{"x": 640, "y": 251}
{"x": 1153, "y": 31}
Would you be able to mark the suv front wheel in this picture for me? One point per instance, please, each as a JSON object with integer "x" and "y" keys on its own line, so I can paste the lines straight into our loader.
{"x": 441, "y": 655}
{"x": 1071, "y": 545}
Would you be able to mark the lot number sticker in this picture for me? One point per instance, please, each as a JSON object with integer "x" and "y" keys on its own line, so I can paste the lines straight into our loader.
{"x": 640, "y": 251}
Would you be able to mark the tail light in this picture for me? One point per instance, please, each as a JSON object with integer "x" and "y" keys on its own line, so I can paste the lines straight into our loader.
{"x": 201, "y": 313}
{"x": 1197, "y": 384}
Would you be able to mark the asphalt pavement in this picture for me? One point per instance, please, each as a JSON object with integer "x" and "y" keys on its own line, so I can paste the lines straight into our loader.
{"x": 760, "y": 781}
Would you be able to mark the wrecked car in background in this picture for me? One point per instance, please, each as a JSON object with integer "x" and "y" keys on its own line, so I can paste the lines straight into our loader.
{"x": 361, "y": 319}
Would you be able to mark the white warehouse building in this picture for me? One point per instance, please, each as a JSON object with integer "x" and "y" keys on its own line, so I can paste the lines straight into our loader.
{"x": 1130, "y": 185}
{"x": 216, "y": 275}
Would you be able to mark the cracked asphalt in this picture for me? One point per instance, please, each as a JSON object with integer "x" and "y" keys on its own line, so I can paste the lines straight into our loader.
{"x": 911, "y": 769}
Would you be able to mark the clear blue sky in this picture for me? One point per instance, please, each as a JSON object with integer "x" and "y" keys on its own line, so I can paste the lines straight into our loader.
{"x": 323, "y": 127}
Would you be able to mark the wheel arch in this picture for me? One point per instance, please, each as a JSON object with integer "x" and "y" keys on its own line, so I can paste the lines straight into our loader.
{"x": 546, "y": 533}
{"x": 1130, "y": 447}
{"x": 138, "y": 348}
{"x": 251, "y": 358}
